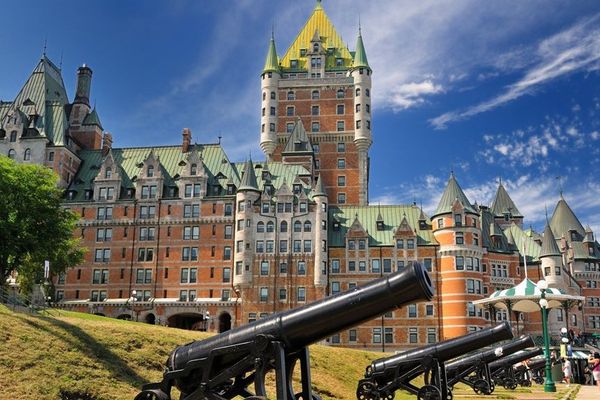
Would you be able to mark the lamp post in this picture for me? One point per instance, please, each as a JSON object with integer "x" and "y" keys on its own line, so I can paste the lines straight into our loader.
{"x": 549, "y": 385}
{"x": 132, "y": 299}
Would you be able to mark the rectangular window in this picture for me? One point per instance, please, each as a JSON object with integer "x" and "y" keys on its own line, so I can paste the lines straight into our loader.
{"x": 412, "y": 311}
{"x": 297, "y": 246}
{"x": 362, "y": 266}
{"x": 290, "y": 111}
{"x": 335, "y": 288}
{"x": 413, "y": 335}
{"x": 340, "y": 109}
{"x": 335, "y": 266}
{"x": 410, "y": 243}
{"x": 460, "y": 263}
{"x": 459, "y": 238}
{"x": 388, "y": 335}
{"x": 301, "y": 294}
{"x": 431, "y": 336}
{"x": 376, "y": 335}
{"x": 308, "y": 246}
{"x": 315, "y": 127}
{"x": 352, "y": 335}
{"x": 387, "y": 265}
{"x": 301, "y": 268}
{"x": 341, "y": 198}
{"x": 264, "y": 294}
{"x": 376, "y": 266}
{"x": 341, "y": 163}
{"x": 264, "y": 268}
{"x": 429, "y": 310}
{"x": 282, "y": 294}
{"x": 341, "y": 126}
{"x": 315, "y": 110}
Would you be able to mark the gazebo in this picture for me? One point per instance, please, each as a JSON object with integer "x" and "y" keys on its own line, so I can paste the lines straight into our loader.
{"x": 525, "y": 297}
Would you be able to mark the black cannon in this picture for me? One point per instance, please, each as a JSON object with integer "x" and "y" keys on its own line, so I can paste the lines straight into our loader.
{"x": 473, "y": 369}
{"x": 524, "y": 373}
{"x": 386, "y": 375}
{"x": 224, "y": 366}
{"x": 502, "y": 370}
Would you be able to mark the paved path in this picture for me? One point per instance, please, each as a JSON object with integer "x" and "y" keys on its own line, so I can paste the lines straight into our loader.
{"x": 588, "y": 393}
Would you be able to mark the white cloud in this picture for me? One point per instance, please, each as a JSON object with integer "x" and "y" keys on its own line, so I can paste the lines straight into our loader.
{"x": 574, "y": 49}
{"x": 411, "y": 94}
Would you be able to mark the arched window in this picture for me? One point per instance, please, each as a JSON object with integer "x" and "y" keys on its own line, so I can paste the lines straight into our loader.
{"x": 307, "y": 226}
{"x": 150, "y": 172}
{"x": 13, "y": 136}
{"x": 297, "y": 226}
{"x": 270, "y": 226}
{"x": 283, "y": 227}
{"x": 27, "y": 155}
{"x": 260, "y": 227}
{"x": 357, "y": 92}
{"x": 12, "y": 154}
{"x": 272, "y": 95}
{"x": 108, "y": 173}
{"x": 193, "y": 169}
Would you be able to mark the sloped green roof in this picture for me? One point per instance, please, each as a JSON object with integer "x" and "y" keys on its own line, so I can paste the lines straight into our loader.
{"x": 564, "y": 220}
{"x": 319, "y": 190}
{"x": 4, "y": 107}
{"x": 278, "y": 171}
{"x": 271, "y": 62}
{"x": 489, "y": 227}
{"x": 360, "y": 55}
{"x": 248, "y": 181}
{"x": 45, "y": 89}
{"x": 298, "y": 140}
{"x": 580, "y": 251}
{"x": 452, "y": 193}
{"x": 367, "y": 215}
{"x": 56, "y": 122}
{"x": 525, "y": 244}
{"x": 92, "y": 119}
{"x": 130, "y": 161}
{"x": 549, "y": 246}
{"x": 503, "y": 204}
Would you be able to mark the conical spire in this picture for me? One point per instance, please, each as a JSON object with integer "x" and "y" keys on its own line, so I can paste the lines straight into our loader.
{"x": 549, "y": 246}
{"x": 360, "y": 55}
{"x": 564, "y": 220}
{"x": 271, "y": 63}
{"x": 248, "y": 181}
{"x": 319, "y": 190}
{"x": 452, "y": 193}
{"x": 93, "y": 119}
{"x": 503, "y": 204}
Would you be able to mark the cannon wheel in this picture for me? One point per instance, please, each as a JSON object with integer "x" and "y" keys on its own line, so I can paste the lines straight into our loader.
{"x": 429, "y": 392}
{"x": 509, "y": 384}
{"x": 480, "y": 386}
{"x": 388, "y": 396}
{"x": 492, "y": 387}
{"x": 526, "y": 383}
{"x": 367, "y": 391}
{"x": 152, "y": 395}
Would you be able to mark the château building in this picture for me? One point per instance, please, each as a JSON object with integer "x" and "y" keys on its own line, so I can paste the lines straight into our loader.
{"x": 183, "y": 236}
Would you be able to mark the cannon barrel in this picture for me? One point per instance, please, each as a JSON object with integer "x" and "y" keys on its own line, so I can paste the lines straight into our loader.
{"x": 303, "y": 326}
{"x": 535, "y": 364}
{"x": 443, "y": 351}
{"x": 488, "y": 356}
{"x": 514, "y": 358}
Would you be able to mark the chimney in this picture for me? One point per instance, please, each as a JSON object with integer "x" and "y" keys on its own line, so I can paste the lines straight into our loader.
{"x": 106, "y": 143}
{"x": 187, "y": 139}
{"x": 84, "y": 82}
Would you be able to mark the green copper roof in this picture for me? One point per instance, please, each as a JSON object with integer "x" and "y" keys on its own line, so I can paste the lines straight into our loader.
{"x": 298, "y": 140}
{"x": 503, "y": 204}
{"x": 248, "y": 181}
{"x": 367, "y": 215}
{"x": 564, "y": 220}
{"x": 490, "y": 228}
{"x": 92, "y": 119}
{"x": 360, "y": 55}
{"x": 524, "y": 243}
{"x": 130, "y": 161}
{"x": 271, "y": 63}
{"x": 319, "y": 190}
{"x": 43, "y": 94}
{"x": 452, "y": 193}
{"x": 549, "y": 246}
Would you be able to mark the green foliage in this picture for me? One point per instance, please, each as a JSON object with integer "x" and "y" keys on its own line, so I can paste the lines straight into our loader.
{"x": 33, "y": 225}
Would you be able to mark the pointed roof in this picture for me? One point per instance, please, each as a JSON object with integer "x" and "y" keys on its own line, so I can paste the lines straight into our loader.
{"x": 92, "y": 119}
{"x": 271, "y": 62}
{"x": 453, "y": 193}
{"x": 564, "y": 220}
{"x": 330, "y": 39}
{"x": 319, "y": 190}
{"x": 360, "y": 55}
{"x": 248, "y": 181}
{"x": 503, "y": 204}
{"x": 549, "y": 246}
{"x": 298, "y": 140}
{"x": 357, "y": 226}
{"x": 509, "y": 237}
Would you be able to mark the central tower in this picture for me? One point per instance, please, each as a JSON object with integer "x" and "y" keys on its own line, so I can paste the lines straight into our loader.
{"x": 323, "y": 86}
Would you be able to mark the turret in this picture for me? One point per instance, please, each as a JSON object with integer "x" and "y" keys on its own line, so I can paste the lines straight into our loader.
{"x": 247, "y": 194}
{"x": 320, "y": 197}
{"x": 551, "y": 259}
{"x": 84, "y": 83}
{"x": 269, "y": 84}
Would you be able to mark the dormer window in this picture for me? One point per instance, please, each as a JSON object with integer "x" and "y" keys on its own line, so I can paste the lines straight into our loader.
{"x": 193, "y": 169}
{"x": 457, "y": 220}
{"x": 380, "y": 225}
{"x": 108, "y": 173}
{"x": 13, "y": 136}
{"x": 297, "y": 188}
{"x": 294, "y": 64}
{"x": 336, "y": 225}
{"x": 88, "y": 194}
{"x": 302, "y": 52}
{"x": 339, "y": 62}
{"x": 150, "y": 171}
{"x": 315, "y": 47}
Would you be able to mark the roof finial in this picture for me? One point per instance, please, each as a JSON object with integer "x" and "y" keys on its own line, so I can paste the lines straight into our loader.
{"x": 219, "y": 137}
{"x": 45, "y": 46}
{"x": 359, "y": 27}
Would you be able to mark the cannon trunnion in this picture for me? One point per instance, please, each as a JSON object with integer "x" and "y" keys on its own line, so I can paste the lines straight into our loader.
{"x": 226, "y": 365}
{"x": 473, "y": 370}
{"x": 386, "y": 375}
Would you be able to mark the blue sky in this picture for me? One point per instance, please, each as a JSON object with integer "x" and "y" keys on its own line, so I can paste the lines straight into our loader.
{"x": 506, "y": 89}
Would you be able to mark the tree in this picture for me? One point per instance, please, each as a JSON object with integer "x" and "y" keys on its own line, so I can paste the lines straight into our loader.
{"x": 33, "y": 225}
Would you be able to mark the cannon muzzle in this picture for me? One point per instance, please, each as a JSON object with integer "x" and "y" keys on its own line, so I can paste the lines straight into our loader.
{"x": 514, "y": 358}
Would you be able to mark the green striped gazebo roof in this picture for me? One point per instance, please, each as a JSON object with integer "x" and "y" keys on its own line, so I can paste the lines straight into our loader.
{"x": 526, "y": 288}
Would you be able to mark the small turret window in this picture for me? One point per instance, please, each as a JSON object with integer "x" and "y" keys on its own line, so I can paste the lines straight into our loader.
{"x": 27, "y": 155}
{"x": 358, "y": 108}
{"x": 272, "y": 95}
{"x": 270, "y": 74}
{"x": 368, "y": 92}
{"x": 108, "y": 173}
{"x": 150, "y": 171}
{"x": 264, "y": 95}
{"x": 357, "y": 92}
{"x": 272, "y": 127}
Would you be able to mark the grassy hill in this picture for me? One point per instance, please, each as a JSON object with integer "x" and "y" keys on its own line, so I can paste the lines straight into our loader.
{"x": 73, "y": 356}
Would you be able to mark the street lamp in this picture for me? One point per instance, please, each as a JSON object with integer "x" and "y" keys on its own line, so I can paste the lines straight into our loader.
{"x": 132, "y": 299}
{"x": 549, "y": 385}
